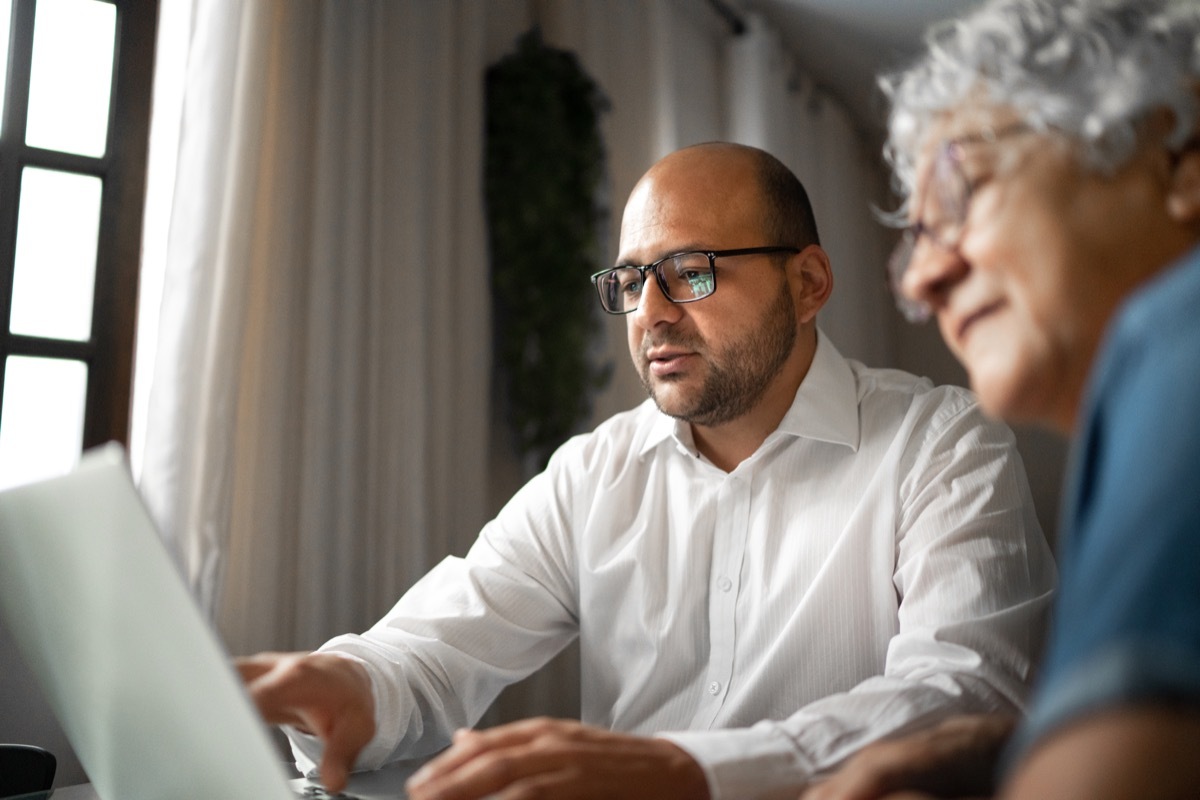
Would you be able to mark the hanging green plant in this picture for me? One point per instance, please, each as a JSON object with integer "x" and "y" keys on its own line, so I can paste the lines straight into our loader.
{"x": 544, "y": 167}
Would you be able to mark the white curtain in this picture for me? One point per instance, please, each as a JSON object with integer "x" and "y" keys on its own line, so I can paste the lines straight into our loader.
{"x": 318, "y": 417}
{"x": 318, "y": 430}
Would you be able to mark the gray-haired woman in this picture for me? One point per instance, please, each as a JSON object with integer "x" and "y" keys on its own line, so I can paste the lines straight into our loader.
{"x": 1048, "y": 158}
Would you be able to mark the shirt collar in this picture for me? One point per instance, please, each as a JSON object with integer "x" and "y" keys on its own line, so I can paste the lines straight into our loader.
{"x": 825, "y": 407}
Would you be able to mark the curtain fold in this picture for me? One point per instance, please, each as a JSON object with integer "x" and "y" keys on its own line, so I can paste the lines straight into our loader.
{"x": 202, "y": 297}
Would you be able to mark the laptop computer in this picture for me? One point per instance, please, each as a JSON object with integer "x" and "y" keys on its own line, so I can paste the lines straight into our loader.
{"x": 140, "y": 684}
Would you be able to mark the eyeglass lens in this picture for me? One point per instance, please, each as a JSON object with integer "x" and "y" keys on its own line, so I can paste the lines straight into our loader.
{"x": 943, "y": 213}
{"x": 683, "y": 278}
{"x": 950, "y": 193}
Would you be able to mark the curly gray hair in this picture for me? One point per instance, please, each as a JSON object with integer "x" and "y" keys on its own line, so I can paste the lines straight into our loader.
{"x": 1089, "y": 69}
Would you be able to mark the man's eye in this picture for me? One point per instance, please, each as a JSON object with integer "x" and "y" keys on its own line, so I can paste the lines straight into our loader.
{"x": 689, "y": 264}
{"x": 631, "y": 285}
{"x": 700, "y": 281}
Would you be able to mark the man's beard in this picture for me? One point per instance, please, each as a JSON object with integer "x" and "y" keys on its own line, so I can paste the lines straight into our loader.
{"x": 739, "y": 376}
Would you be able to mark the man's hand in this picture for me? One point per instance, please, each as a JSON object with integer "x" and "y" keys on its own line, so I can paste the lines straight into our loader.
{"x": 561, "y": 759}
{"x": 320, "y": 694}
{"x": 954, "y": 759}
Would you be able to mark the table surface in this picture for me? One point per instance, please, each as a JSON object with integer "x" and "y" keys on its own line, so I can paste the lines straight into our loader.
{"x": 82, "y": 791}
{"x": 386, "y": 782}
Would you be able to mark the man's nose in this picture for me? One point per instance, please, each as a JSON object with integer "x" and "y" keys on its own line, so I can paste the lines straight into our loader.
{"x": 653, "y": 306}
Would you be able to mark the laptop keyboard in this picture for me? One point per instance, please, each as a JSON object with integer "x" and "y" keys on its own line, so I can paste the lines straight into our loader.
{"x": 312, "y": 792}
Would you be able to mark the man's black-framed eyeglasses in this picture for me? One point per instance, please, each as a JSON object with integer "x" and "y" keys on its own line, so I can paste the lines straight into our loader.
{"x": 682, "y": 277}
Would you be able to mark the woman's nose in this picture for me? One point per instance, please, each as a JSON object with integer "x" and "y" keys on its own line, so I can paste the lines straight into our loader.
{"x": 932, "y": 273}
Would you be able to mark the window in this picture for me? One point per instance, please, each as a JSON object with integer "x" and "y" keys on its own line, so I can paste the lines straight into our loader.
{"x": 76, "y": 78}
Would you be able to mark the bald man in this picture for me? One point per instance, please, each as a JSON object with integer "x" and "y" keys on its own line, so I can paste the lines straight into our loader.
{"x": 779, "y": 557}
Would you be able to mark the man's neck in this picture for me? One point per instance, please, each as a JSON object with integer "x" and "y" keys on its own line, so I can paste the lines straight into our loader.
{"x": 729, "y": 444}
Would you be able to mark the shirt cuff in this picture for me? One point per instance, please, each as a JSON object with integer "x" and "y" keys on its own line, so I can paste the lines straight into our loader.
{"x": 758, "y": 763}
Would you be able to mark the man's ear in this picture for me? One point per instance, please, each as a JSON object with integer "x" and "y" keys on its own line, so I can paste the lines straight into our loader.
{"x": 811, "y": 279}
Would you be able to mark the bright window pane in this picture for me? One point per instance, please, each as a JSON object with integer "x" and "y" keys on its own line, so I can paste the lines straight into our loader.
{"x": 71, "y": 76}
{"x": 41, "y": 426}
{"x": 55, "y": 272}
{"x": 5, "y": 21}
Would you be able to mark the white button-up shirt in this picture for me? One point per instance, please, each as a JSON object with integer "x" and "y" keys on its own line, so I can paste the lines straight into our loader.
{"x": 875, "y": 564}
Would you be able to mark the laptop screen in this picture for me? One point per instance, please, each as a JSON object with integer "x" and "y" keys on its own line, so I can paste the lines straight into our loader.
{"x": 138, "y": 680}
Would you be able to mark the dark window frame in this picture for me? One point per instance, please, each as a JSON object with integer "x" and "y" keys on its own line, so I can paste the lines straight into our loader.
{"x": 109, "y": 352}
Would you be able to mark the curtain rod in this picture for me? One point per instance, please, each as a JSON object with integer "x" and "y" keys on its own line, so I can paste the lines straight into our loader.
{"x": 737, "y": 25}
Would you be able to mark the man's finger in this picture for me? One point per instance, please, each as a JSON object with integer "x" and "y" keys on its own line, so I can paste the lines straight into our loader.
{"x": 251, "y": 668}
{"x": 319, "y": 694}
{"x": 469, "y": 744}
{"x": 488, "y": 772}
{"x": 851, "y": 784}
{"x": 275, "y": 689}
{"x": 341, "y": 749}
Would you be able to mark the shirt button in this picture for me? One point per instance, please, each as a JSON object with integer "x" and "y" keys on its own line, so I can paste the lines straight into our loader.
{"x": 714, "y": 687}
{"x": 724, "y": 584}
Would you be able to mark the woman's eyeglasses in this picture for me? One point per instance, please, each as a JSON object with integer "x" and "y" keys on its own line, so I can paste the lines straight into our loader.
{"x": 945, "y": 204}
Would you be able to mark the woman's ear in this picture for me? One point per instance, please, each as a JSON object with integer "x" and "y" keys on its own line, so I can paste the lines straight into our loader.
{"x": 1183, "y": 192}
{"x": 811, "y": 280}
{"x": 1183, "y": 196}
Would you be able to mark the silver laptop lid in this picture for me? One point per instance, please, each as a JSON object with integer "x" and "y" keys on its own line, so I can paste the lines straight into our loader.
{"x": 139, "y": 682}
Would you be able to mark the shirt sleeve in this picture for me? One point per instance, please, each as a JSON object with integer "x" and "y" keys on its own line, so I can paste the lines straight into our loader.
{"x": 974, "y": 577}
{"x": 468, "y": 628}
{"x": 1128, "y": 630}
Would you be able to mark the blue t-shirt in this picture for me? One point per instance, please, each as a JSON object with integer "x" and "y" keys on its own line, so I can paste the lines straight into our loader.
{"x": 1127, "y": 618}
